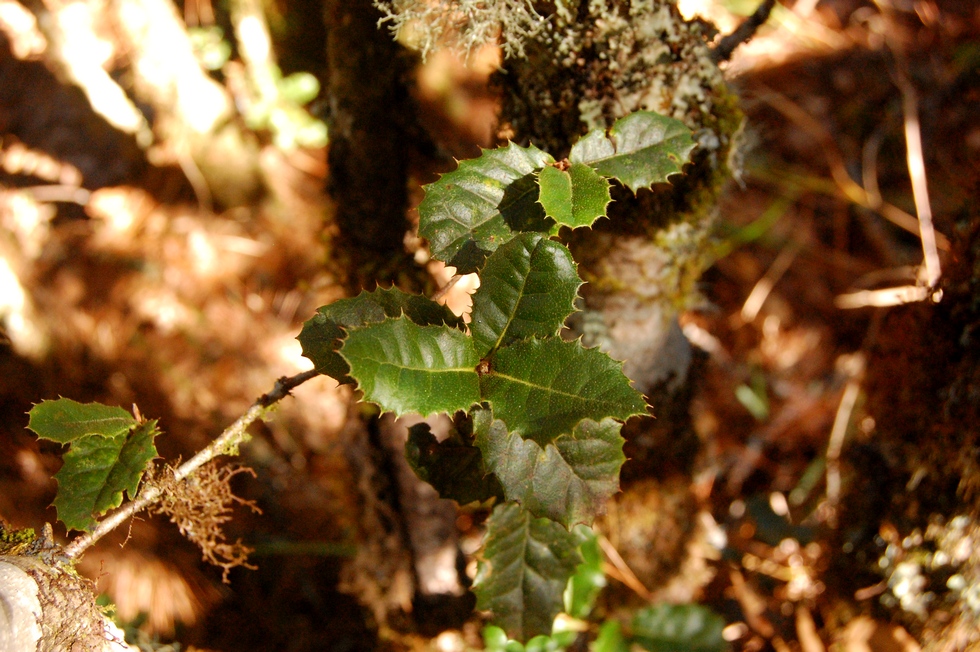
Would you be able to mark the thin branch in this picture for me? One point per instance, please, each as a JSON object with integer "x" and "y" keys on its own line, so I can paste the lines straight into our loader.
{"x": 838, "y": 170}
{"x": 59, "y": 193}
{"x": 917, "y": 172}
{"x": 726, "y": 47}
{"x": 620, "y": 570}
{"x": 757, "y": 297}
{"x": 930, "y": 271}
{"x": 441, "y": 292}
{"x": 854, "y": 368}
{"x": 226, "y": 444}
{"x": 883, "y": 298}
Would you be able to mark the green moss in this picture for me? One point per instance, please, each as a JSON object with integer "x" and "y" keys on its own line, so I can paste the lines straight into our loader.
{"x": 17, "y": 542}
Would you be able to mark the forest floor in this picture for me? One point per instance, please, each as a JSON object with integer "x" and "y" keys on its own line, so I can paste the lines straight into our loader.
{"x": 125, "y": 296}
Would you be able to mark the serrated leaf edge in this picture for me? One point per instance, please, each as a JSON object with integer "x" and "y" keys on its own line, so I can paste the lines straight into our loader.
{"x": 357, "y": 383}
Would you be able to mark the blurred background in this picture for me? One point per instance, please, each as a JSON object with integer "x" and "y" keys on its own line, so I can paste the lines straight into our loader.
{"x": 181, "y": 187}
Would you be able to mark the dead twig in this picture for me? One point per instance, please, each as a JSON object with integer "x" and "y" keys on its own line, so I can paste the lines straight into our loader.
{"x": 838, "y": 171}
{"x": 931, "y": 270}
{"x": 618, "y": 568}
{"x": 726, "y": 47}
{"x": 441, "y": 292}
{"x": 760, "y": 292}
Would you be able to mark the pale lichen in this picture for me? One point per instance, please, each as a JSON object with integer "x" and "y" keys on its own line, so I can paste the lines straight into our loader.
{"x": 933, "y": 575}
{"x": 586, "y": 69}
{"x": 463, "y": 25}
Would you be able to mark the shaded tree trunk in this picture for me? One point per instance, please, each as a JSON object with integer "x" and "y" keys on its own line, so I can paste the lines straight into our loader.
{"x": 369, "y": 155}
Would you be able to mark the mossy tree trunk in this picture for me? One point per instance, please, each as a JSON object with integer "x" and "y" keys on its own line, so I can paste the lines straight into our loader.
{"x": 592, "y": 64}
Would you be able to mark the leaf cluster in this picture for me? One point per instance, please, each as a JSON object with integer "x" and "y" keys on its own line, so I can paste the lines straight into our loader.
{"x": 538, "y": 418}
{"x": 108, "y": 452}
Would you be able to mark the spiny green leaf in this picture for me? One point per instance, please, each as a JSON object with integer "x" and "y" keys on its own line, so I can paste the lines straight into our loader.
{"x": 542, "y": 388}
{"x": 471, "y": 211}
{"x": 643, "y": 148}
{"x": 567, "y": 481}
{"x": 407, "y": 368}
{"x": 670, "y": 627}
{"x": 323, "y": 334}
{"x": 525, "y": 567}
{"x": 574, "y": 197}
{"x": 96, "y": 471}
{"x": 65, "y": 420}
{"x": 527, "y": 289}
{"x": 454, "y": 467}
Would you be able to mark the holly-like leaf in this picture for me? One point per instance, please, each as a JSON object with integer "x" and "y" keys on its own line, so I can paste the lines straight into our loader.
{"x": 525, "y": 566}
{"x": 542, "y": 388}
{"x": 527, "y": 289}
{"x": 96, "y": 471}
{"x": 323, "y": 334}
{"x": 567, "y": 481}
{"x": 574, "y": 197}
{"x": 642, "y": 149}
{"x": 453, "y": 467}
{"x": 471, "y": 211}
{"x": 404, "y": 367}
{"x": 669, "y": 627}
{"x": 65, "y": 420}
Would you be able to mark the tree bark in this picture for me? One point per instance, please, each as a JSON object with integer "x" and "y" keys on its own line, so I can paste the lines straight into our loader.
{"x": 368, "y": 158}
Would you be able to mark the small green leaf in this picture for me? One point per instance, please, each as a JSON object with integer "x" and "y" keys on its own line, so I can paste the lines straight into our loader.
{"x": 642, "y": 149}
{"x": 407, "y": 368}
{"x": 574, "y": 197}
{"x": 65, "y": 420}
{"x": 454, "y": 467}
{"x": 525, "y": 566}
{"x": 471, "y": 211}
{"x": 671, "y": 627}
{"x": 323, "y": 334}
{"x": 96, "y": 471}
{"x": 589, "y": 580}
{"x": 610, "y": 638}
{"x": 495, "y": 640}
{"x": 542, "y": 388}
{"x": 527, "y": 289}
{"x": 567, "y": 481}
{"x": 557, "y": 642}
{"x": 299, "y": 87}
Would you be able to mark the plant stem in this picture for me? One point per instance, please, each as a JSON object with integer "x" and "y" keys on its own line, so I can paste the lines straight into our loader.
{"x": 227, "y": 441}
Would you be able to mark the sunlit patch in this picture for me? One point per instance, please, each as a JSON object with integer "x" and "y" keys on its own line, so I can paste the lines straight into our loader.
{"x": 142, "y": 586}
{"x": 288, "y": 351}
{"x": 85, "y": 54}
{"x": 118, "y": 214}
{"x": 18, "y": 159}
{"x": 162, "y": 308}
{"x": 20, "y": 27}
{"x": 16, "y": 315}
{"x": 456, "y": 293}
{"x": 450, "y": 641}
